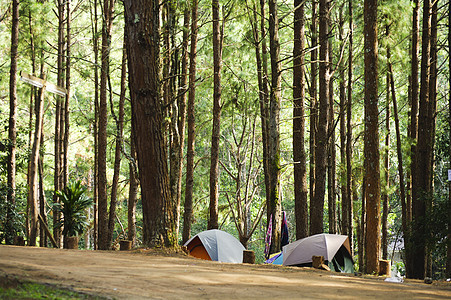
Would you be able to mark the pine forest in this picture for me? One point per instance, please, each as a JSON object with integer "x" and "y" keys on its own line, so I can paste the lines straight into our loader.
{"x": 151, "y": 121}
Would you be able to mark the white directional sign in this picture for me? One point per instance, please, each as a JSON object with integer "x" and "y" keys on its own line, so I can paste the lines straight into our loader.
{"x": 38, "y": 82}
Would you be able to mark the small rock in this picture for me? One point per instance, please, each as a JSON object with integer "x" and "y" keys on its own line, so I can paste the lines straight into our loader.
{"x": 428, "y": 280}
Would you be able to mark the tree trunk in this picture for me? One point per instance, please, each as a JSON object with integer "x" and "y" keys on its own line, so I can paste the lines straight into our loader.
{"x": 65, "y": 142}
{"x": 188, "y": 208}
{"x": 423, "y": 155}
{"x": 349, "y": 194}
{"x": 448, "y": 252}
{"x": 57, "y": 182}
{"x": 142, "y": 23}
{"x": 11, "y": 195}
{"x": 32, "y": 202}
{"x": 371, "y": 143}
{"x": 300, "y": 168}
{"x": 214, "y": 165}
{"x": 265, "y": 98}
{"x": 108, "y": 6}
{"x": 343, "y": 173}
{"x": 133, "y": 192}
{"x": 313, "y": 98}
{"x": 317, "y": 203}
{"x": 331, "y": 156}
{"x": 413, "y": 134}
{"x": 117, "y": 152}
{"x": 179, "y": 122}
{"x": 95, "y": 49}
{"x": 274, "y": 205}
{"x": 386, "y": 171}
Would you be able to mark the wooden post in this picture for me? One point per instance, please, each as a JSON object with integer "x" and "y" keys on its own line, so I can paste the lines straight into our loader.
{"x": 317, "y": 261}
{"x": 125, "y": 245}
{"x": 248, "y": 257}
{"x": 384, "y": 267}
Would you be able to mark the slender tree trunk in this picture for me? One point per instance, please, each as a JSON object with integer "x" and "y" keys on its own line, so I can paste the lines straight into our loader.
{"x": 313, "y": 98}
{"x": 433, "y": 73}
{"x": 317, "y": 203}
{"x": 448, "y": 256}
{"x": 264, "y": 94}
{"x": 398, "y": 147}
{"x": 188, "y": 208}
{"x": 300, "y": 167}
{"x": 331, "y": 155}
{"x": 58, "y": 119}
{"x": 179, "y": 122}
{"x": 133, "y": 192}
{"x": 117, "y": 152}
{"x": 108, "y": 6}
{"x": 386, "y": 171}
{"x": 142, "y": 19}
{"x": 362, "y": 245}
{"x": 65, "y": 142}
{"x": 11, "y": 168}
{"x": 95, "y": 49}
{"x": 343, "y": 173}
{"x": 413, "y": 132}
{"x": 349, "y": 197}
{"x": 32, "y": 202}
{"x": 371, "y": 144}
{"x": 214, "y": 166}
{"x": 274, "y": 205}
{"x": 423, "y": 154}
{"x": 42, "y": 201}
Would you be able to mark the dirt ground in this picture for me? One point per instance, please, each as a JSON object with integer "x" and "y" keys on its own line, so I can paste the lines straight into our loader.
{"x": 143, "y": 274}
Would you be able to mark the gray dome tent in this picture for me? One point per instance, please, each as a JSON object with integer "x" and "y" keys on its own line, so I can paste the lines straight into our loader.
{"x": 335, "y": 249}
{"x": 216, "y": 245}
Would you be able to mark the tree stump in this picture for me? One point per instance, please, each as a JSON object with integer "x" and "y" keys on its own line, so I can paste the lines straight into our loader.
{"x": 19, "y": 240}
{"x": 125, "y": 245}
{"x": 317, "y": 261}
{"x": 384, "y": 268}
{"x": 248, "y": 257}
{"x": 70, "y": 242}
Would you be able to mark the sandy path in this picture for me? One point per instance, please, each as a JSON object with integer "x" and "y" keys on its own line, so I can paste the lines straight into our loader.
{"x": 134, "y": 275}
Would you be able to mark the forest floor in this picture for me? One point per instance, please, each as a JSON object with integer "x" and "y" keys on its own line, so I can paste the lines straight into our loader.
{"x": 149, "y": 274}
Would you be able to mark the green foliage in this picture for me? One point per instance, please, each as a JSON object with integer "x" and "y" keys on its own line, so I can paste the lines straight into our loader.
{"x": 14, "y": 289}
{"x": 73, "y": 203}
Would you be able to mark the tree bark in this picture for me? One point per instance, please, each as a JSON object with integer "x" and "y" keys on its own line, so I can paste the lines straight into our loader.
{"x": 300, "y": 167}
{"x": 423, "y": 155}
{"x": 386, "y": 171}
{"x": 331, "y": 155}
{"x": 313, "y": 99}
{"x": 343, "y": 172}
{"x": 108, "y": 6}
{"x": 371, "y": 143}
{"x": 57, "y": 182}
{"x": 321, "y": 141}
{"x": 142, "y": 23}
{"x": 32, "y": 202}
{"x": 413, "y": 133}
{"x": 133, "y": 192}
{"x": 188, "y": 208}
{"x": 11, "y": 168}
{"x": 448, "y": 247}
{"x": 398, "y": 148}
{"x": 349, "y": 181}
{"x": 117, "y": 151}
{"x": 179, "y": 123}
{"x": 274, "y": 205}
{"x": 214, "y": 165}
{"x": 65, "y": 141}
